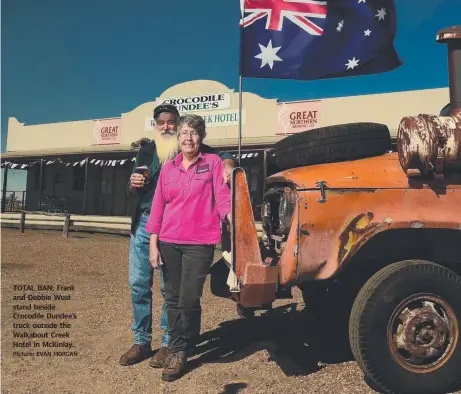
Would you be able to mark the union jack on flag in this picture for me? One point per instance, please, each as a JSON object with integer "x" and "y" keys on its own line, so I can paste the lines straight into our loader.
{"x": 299, "y": 12}
{"x": 313, "y": 39}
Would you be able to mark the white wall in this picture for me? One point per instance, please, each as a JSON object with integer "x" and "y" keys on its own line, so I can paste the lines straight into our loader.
{"x": 259, "y": 120}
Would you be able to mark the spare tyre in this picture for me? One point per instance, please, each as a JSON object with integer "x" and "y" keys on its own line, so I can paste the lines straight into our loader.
{"x": 333, "y": 143}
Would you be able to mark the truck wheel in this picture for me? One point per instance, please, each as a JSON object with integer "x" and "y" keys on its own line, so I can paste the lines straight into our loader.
{"x": 404, "y": 328}
{"x": 332, "y": 143}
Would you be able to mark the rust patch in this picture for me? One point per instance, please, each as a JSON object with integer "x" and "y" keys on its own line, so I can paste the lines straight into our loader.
{"x": 358, "y": 231}
{"x": 423, "y": 333}
{"x": 429, "y": 145}
{"x": 303, "y": 230}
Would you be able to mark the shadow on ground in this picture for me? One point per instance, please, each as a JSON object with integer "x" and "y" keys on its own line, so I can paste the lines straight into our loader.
{"x": 233, "y": 388}
{"x": 291, "y": 338}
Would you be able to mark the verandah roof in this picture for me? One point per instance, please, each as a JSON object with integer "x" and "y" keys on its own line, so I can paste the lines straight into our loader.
{"x": 40, "y": 153}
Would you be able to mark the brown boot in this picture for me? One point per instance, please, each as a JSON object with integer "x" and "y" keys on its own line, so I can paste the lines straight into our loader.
{"x": 175, "y": 366}
{"x": 136, "y": 354}
{"x": 159, "y": 358}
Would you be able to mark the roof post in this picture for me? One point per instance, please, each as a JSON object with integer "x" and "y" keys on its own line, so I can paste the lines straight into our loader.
{"x": 5, "y": 182}
{"x": 85, "y": 186}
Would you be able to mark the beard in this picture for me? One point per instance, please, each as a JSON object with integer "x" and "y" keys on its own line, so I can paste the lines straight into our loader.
{"x": 167, "y": 146}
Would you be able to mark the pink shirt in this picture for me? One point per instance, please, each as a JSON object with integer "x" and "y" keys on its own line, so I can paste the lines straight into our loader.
{"x": 188, "y": 204}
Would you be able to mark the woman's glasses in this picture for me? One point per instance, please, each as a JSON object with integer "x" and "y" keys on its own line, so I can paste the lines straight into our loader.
{"x": 184, "y": 134}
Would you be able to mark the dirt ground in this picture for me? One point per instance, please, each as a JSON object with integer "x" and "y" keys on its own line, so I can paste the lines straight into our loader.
{"x": 273, "y": 353}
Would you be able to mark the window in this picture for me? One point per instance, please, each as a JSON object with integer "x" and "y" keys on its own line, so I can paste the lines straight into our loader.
{"x": 79, "y": 177}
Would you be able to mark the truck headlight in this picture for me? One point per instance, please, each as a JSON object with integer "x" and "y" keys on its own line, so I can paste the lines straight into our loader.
{"x": 286, "y": 211}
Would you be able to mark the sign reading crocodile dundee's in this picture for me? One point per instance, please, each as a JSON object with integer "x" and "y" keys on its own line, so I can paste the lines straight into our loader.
{"x": 202, "y": 102}
{"x": 297, "y": 116}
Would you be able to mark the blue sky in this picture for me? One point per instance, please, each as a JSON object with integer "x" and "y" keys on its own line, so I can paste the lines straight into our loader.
{"x": 70, "y": 60}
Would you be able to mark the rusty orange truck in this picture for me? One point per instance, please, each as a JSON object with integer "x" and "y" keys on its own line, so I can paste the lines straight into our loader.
{"x": 348, "y": 216}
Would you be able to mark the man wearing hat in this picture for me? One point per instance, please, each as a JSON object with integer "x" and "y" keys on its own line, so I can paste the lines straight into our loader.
{"x": 153, "y": 154}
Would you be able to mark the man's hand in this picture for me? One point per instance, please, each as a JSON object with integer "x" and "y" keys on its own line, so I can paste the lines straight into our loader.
{"x": 136, "y": 181}
{"x": 229, "y": 165}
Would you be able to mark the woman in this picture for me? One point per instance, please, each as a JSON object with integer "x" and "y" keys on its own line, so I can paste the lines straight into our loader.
{"x": 190, "y": 200}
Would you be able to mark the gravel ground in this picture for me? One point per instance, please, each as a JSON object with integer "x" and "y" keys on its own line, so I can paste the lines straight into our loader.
{"x": 273, "y": 353}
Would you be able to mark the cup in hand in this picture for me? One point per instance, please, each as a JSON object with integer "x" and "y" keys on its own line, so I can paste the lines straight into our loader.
{"x": 144, "y": 171}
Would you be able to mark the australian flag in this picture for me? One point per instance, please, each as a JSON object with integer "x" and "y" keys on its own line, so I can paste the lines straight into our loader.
{"x": 310, "y": 39}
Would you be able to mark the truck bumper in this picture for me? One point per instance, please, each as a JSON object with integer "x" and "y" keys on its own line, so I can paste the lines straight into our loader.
{"x": 250, "y": 281}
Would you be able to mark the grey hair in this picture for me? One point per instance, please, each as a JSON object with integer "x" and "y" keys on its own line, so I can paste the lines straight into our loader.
{"x": 194, "y": 121}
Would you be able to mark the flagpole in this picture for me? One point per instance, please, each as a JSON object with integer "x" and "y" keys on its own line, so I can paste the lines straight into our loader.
{"x": 240, "y": 116}
{"x": 242, "y": 9}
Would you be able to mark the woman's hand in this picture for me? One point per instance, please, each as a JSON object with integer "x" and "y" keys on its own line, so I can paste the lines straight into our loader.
{"x": 154, "y": 258}
{"x": 229, "y": 225}
{"x": 228, "y": 167}
{"x": 154, "y": 254}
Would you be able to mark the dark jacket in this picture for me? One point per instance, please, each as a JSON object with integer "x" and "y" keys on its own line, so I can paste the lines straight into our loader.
{"x": 141, "y": 200}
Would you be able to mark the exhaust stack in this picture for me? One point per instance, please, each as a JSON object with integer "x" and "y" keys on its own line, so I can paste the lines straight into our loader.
{"x": 452, "y": 37}
{"x": 429, "y": 146}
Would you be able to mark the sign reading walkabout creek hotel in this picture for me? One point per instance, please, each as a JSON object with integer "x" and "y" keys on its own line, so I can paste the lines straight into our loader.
{"x": 297, "y": 116}
{"x": 223, "y": 118}
{"x": 201, "y": 102}
{"x": 107, "y": 131}
{"x": 212, "y": 119}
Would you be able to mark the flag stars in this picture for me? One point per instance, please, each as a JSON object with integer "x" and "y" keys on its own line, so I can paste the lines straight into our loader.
{"x": 340, "y": 26}
{"x": 381, "y": 13}
{"x": 367, "y": 32}
{"x": 352, "y": 63}
{"x": 268, "y": 55}
{"x": 362, "y": 1}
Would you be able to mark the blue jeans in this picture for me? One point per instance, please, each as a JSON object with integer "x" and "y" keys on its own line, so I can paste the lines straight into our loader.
{"x": 140, "y": 280}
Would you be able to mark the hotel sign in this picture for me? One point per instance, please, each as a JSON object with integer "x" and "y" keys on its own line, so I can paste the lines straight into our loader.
{"x": 223, "y": 118}
{"x": 212, "y": 119}
{"x": 202, "y": 102}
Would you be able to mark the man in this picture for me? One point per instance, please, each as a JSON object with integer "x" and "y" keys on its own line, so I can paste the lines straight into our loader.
{"x": 141, "y": 187}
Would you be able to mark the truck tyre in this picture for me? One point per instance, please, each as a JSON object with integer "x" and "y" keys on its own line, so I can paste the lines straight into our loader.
{"x": 332, "y": 143}
{"x": 404, "y": 328}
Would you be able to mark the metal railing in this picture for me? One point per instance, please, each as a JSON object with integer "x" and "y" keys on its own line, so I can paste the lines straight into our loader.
{"x": 70, "y": 223}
